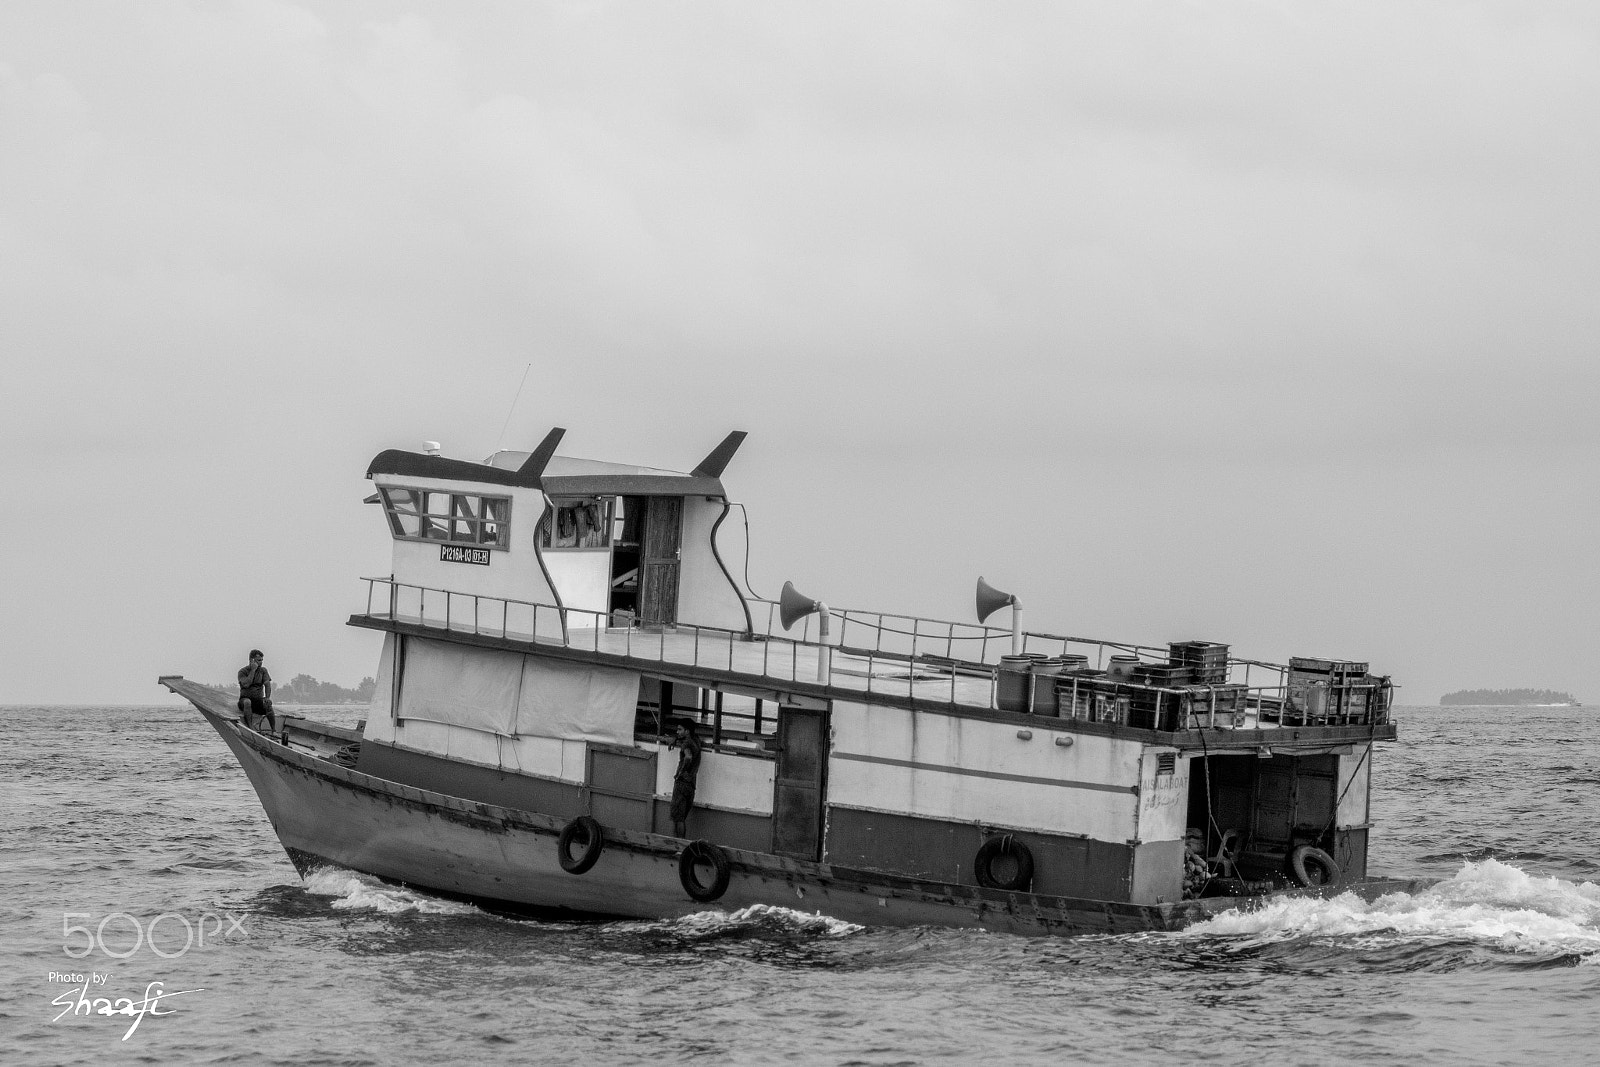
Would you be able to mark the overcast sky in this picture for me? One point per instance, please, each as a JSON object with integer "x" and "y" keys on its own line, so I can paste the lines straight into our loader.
{"x": 1266, "y": 323}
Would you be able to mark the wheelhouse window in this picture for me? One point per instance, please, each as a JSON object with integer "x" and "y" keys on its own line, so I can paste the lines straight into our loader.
{"x": 456, "y": 518}
{"x": 578, "y": 523}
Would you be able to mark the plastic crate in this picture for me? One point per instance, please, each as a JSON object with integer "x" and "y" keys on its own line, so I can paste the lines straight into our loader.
{"x": 1206, "y": 660}
{"x": 1341, "y": 667}
{"x": 1214, "y": 705}
{"x": 1196, "y": 653}
{"x": 1163, "y": 674}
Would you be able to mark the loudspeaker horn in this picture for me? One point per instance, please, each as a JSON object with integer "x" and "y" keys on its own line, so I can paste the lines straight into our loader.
{"x": 794, "y": 605}
{"x": 990, "y": 599}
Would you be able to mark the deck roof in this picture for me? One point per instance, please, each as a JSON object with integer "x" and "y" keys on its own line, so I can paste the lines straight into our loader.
{"x": 566, "y": 476}
{"x": 573, "y": 476}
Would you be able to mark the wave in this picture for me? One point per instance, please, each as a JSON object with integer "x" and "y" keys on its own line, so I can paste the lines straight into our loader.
{"x": 204, "y": 865}
{"x": 354, "y": 891}
{"x": 1489, "y": 852}
{"x": 756, "y": 919}
{"x": 1487, "y": 903}
{"x": 767, "y": 915}
{"x": 364, "y": 892}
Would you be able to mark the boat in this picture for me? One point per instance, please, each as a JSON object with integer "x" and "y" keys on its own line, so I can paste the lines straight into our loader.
{"x": 549, "y": 621}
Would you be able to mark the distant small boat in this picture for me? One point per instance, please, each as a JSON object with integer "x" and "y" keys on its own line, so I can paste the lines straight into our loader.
{"x": 898, "y": 771}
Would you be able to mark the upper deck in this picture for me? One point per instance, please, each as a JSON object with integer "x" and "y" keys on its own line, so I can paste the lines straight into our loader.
{"x": 917, "y": 663}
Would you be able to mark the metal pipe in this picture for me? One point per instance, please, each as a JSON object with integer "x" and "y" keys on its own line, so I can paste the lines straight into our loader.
{"x": 824, "y": 656}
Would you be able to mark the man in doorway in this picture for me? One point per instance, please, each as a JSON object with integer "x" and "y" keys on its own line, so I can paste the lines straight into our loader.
{"x": 688, "y": 747}
{"x": 255, "y": 693}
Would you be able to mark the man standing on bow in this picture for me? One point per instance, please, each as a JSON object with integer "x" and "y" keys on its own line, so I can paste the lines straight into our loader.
{"x": 255, "y": 692}
{"x": 683, "y": 781}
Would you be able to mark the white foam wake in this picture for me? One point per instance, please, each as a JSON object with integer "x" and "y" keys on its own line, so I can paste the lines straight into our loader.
{"x": 1486, "y": 902}
{"x": 361, "y": 891}
{"x": 763, "y": 916}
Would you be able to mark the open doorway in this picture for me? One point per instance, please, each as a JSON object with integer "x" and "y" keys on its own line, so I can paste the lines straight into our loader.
{"x": 646, "y": 561}
{"x": 627, "y": 534}
{"x": 1253, "y": 812}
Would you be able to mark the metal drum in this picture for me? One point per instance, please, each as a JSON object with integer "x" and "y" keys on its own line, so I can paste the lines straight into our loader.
{"x": 1044, "y": 685}
{"x": 1011, "y": 682}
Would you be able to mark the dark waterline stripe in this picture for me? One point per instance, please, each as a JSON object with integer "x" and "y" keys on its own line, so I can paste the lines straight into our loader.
{"x": 1029, "y": 779}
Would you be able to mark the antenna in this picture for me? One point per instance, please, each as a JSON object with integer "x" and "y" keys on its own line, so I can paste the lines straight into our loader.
{"x": 517, "y": 396}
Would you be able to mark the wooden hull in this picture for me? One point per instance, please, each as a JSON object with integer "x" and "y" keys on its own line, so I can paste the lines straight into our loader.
{"x": 507, "y": 859}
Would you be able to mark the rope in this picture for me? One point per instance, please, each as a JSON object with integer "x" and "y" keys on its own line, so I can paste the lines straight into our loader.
{"x": 1211, "y": 818}
{"x": 1335, "y": 813}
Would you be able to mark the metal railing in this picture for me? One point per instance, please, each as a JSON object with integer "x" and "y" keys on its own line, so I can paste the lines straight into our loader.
{"x": 537, "y": 623}
{"x": 782, "y": 658}
{"x": 1235, "y": 706}
{"x": 916, "y": 637}
{"x": 879, "y": 653}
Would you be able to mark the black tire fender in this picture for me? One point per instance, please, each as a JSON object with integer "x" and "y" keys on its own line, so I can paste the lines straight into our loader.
{"x": 993, "y": 849}
{"x": 594, "y": 843}
{"x": 1311, "y": 867}
{"x": 694, "y": 854}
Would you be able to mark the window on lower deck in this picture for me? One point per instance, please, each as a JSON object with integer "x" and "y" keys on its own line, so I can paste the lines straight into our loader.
{"x": 729, "y": 722}
{"x": 457, "y": 518}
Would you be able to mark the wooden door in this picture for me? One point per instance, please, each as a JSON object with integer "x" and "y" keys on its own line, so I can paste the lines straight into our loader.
{"x": 658, "y": 563}
{"x": 798, "y": 787}
{"x": 1294, "y": 798}
{"x": 1274, "y": 814}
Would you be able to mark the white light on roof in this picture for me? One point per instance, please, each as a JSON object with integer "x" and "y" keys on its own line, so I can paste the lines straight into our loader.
{"x": 431, "y": 447}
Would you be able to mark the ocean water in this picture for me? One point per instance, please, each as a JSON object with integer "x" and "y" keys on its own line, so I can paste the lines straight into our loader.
{"x": 127, "y": 830}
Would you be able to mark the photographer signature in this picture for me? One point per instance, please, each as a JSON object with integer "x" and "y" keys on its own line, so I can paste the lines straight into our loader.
{"x": 78, "y": 1002}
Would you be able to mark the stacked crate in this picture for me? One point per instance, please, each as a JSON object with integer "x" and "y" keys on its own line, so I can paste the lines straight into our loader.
{"x": 1213, "y": 705}
{"x": 1163, "y": 674}
{"x": 1092, "y": 696}
{"x": 1333, "y": 691}
{"x": 1207, "y": 660}
{"x": 1156, "y": 707}
{"x": 1076, "y": 690}
{"x": 1188, "y": 691}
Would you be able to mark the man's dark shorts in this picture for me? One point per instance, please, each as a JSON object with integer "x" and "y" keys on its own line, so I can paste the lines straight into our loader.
{"x": 256, "y": 706}
{"x": 682, "y": 800}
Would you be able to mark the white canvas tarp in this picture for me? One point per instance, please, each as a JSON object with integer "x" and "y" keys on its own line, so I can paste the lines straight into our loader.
{"x": 577, "y": 702}
{"x": 462, "y": 686}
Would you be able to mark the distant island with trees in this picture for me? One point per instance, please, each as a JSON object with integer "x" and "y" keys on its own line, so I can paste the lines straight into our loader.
{"x": 304, "y": 689}
{"x": 1507, "y": 697}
